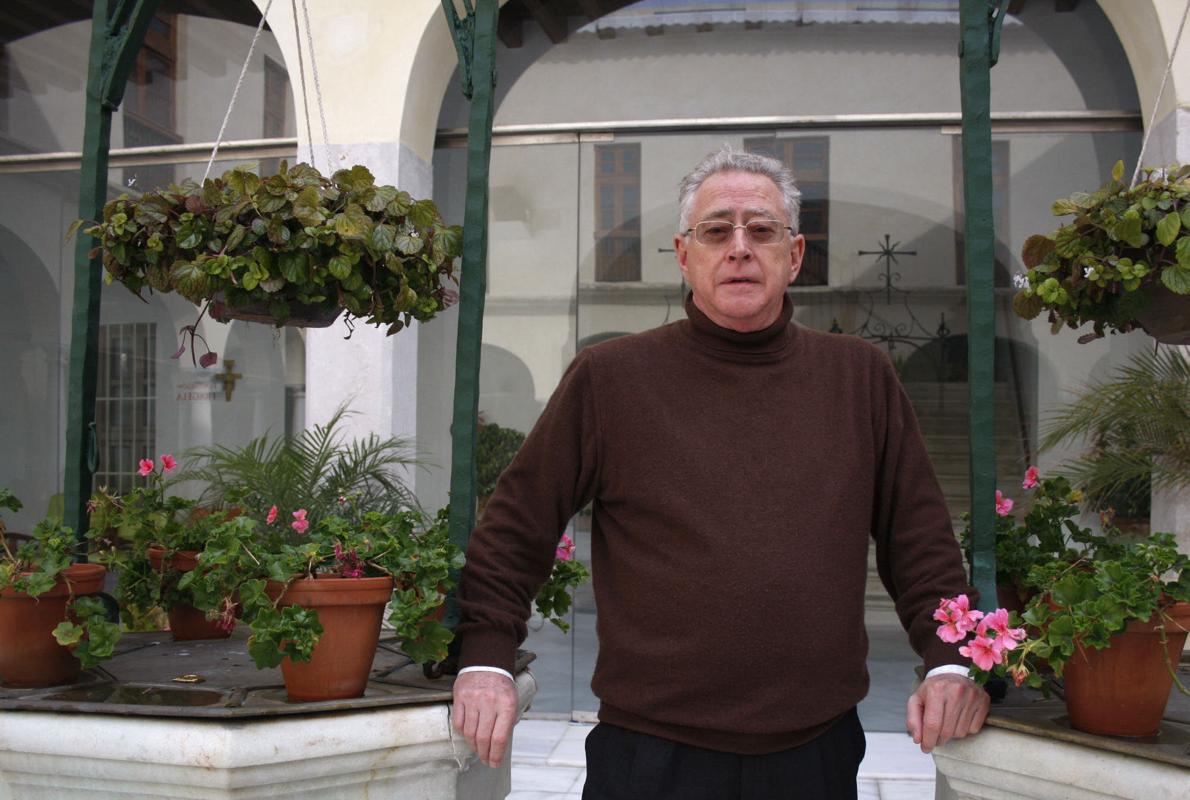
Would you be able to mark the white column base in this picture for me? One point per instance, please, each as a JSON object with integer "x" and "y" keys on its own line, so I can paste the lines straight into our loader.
{"x": 407, "y": 752}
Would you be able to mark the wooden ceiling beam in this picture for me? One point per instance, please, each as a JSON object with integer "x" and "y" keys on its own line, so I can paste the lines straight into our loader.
{"x": 510, "y": 28}
{"x": 553, "y": 23}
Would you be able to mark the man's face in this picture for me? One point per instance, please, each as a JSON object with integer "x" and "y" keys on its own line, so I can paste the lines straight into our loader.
{"x": 738, "y": 284}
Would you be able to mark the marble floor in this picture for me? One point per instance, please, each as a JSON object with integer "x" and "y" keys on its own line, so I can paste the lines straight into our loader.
{"x": 548, "y": 764}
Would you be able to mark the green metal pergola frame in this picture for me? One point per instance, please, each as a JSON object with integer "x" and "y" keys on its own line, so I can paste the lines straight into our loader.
{"x": 118, "y": 28}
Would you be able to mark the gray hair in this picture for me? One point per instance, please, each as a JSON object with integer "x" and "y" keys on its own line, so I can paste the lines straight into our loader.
{"x": 728, "y": 160}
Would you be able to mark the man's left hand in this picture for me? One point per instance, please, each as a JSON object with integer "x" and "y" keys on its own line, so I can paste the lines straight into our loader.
{"x": 946, "y": 707}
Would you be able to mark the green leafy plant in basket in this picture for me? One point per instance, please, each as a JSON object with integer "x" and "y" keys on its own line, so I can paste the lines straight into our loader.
{"x": 1124, "y": 247}
{"x": 285, "y": 243}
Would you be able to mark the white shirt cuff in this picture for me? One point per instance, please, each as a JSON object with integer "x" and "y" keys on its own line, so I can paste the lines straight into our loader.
{"x": 945, "y": 669}
{"x": 503, "y": 672}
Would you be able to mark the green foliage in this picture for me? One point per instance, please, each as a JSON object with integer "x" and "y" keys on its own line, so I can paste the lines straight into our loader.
{"x": 554, "y": 598}
{"x": 1045, "y": 534}
{"x": 316, "y": 470}
{"x": 1122, "y": 244}
{"x": 1137, "y": 425}
{"x": 495, "y": 448}
{"x": 1085, "y": 602}
{"x": 34, "y": 567}
{"x": 242, "y": 557}
{"x": 296, "y": 237}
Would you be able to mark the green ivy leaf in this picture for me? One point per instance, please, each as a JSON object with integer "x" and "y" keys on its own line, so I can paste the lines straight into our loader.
{"x": 381, "y": 198}
{"x": 293, "y": 267}
{"x": 356, "y": 179}
{"x": 383, "y": 237}
{"x": 1177, "y": 279}
{"x": 409, "y": 244}
{"x": 1168, "y": 227}
{"x": 307, "y": 207}
{"x": 353, "y": 222}
{"x": 339, "y": 266}
{"x": 1183, "y": 251}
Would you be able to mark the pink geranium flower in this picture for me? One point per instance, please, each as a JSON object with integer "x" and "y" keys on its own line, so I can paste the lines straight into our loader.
{"x": 168, "y": 462}
{"x": 957, "y": 618}
{"x": 565, "y": 550}
{"x": 146, "y": 467}
{"x": 299, "y": 523}
{"x": 997, "y": 622}
{"x": 1003, "y": 504}
{"x": 272, "y": 516}
{"x": 1032, "y": 475}
{"x": 983, "y": 651}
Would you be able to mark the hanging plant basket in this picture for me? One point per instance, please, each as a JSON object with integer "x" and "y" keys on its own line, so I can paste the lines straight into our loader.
{"x": 1166, "y": 317}
{"x": 301, "y": 315}
{"x": 295, "y": 248}
{"x": 1122, "y": 264}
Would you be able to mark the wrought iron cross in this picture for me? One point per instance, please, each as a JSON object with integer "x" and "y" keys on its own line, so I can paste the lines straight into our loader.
{"x": 228, "y": 378}
{"x": 889, "y": 253}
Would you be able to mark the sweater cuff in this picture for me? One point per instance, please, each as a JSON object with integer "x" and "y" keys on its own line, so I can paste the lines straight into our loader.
{"x": 485, "y": 648}
{"x": 939, "y": 653}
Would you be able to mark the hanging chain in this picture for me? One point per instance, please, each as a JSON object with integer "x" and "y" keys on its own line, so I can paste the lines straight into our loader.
{"x": 236, "y": 91}
{"x": 326, "y": 139}
{"x": 297, "y": 35}
{"x": 1157, "y": 100}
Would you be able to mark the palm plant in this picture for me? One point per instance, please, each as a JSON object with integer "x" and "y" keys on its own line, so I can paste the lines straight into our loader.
{"x": 1138, "y": 425}
{"x": 315, "y": 470}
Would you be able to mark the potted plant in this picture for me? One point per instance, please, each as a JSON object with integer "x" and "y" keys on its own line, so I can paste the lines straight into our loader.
{"x": 49, "y": 627}
{"x": 314, "y": 593}
{"x": 155, "y": 538}
{"x": 1047, "y": 532}
{"x": 1112, "y": 623}
{"x": 1123, "y": 263}
{"x": 318, "y": 470}
{"x": 295, "y": 247}
{"x": 495, "y": 447}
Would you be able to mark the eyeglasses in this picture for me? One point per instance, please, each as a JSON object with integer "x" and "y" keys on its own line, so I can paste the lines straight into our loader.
{"x": 717, "y": 232}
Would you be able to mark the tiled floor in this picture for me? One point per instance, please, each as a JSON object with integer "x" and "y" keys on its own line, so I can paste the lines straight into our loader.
{"x": 548, "y": 764}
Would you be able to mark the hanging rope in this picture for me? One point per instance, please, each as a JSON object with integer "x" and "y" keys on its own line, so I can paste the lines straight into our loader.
{"x": 326, "y": 139}
{"x": 236, "y": 91}
{"x": 1157, "y": 100}
{"x": 297, "y": 35}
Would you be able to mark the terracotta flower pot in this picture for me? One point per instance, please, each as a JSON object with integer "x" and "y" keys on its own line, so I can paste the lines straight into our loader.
{"x": 1122, "y": 689}
{"x": 187, "y": 623}
{"x": 29, "y": 654}
{"x": 350, "y": 611}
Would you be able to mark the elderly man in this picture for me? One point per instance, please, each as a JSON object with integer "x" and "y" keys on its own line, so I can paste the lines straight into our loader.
{"x": 739, "y": 466}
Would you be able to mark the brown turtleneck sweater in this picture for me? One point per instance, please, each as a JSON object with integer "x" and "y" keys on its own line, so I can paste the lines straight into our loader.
{"x": 737, "y": 480}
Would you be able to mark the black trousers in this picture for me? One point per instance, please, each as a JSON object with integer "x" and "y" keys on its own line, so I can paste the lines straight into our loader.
{"x": 626, "y": 765}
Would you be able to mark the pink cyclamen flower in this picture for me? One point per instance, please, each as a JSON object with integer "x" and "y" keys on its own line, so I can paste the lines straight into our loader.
{"x": 146, "y": 467}
{"x": 1003, "y": 504}
{"x": 207, "y": 359}
{"x": 1032, "y": 476}
{"x": 168, "y": 462}
{"x": 272, "y": 516}
{"x": 983, "y": 651}
{"x": 957, "y": 618}
{"x": 565, "y": 550}
{"x": 299, "y": 523}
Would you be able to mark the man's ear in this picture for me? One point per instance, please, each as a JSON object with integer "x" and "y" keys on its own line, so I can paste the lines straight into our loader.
{"x": 681, "y": 251}
{"x": 797, "y": 252}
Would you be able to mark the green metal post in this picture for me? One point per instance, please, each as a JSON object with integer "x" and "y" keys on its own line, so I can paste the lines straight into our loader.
{"x": 980, "y": 22}
{"x": 117, "y": 30}
{"x": 475, "y": 40}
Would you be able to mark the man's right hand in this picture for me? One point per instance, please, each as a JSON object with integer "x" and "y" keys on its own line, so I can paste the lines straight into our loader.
{"x": 485, "y": 709}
